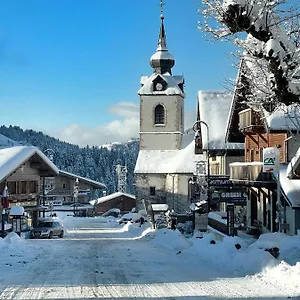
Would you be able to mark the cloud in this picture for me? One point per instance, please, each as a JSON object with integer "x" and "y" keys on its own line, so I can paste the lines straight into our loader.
{"x": 123, "y": 128}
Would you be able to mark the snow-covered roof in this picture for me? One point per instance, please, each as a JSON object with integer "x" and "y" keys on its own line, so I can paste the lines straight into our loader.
{"x": 168, "y": 161}
{"x": 7, "y": 142}
{"x": 94, "y": 183}
{"x": 110, "y": 197}
{"x": 172, "y": 85}
{"x": 290, "y": 187}
{"x": 214, "y": 108}
{"x": 293, "y": 164}
{"x": 284, "y": 118}
{"x": 12, "y": 158}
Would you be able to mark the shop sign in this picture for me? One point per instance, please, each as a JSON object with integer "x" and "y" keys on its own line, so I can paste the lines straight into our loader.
{"x": 270, "y": 160}
{"x": 220, "y": 181}
{"x": 237, "y": 196}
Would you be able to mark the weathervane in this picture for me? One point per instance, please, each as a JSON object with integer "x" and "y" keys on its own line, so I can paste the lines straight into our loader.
{"x": 161, "y": 4}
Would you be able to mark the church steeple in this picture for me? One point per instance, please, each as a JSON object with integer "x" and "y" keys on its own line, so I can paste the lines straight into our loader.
{"x": 162, "y": 61}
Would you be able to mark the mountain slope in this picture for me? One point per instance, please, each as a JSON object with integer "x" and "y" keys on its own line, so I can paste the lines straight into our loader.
{"x": 97, "y": 163}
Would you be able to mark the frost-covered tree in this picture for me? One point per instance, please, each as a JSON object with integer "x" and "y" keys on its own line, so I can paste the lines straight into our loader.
{"x": 268, "y": 32}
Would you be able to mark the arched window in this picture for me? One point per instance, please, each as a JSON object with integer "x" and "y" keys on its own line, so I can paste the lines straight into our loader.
{"x": 159, "y": 114}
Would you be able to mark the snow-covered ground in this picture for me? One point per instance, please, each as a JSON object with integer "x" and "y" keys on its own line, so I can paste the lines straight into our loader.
{"x": 101, "y": 259}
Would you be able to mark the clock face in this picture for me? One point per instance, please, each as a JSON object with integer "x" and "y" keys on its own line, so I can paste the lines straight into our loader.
{"x": 159, "y": 86}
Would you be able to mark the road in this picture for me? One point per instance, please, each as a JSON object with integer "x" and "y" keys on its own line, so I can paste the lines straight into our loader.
{"x": 96, "y": 262}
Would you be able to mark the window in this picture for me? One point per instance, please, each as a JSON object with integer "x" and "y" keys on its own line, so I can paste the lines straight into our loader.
{"x": 63, "y": 185}
{"x": 22, "y": 187}
{"x": 32, "y": 185}
{"x": 152, "y": 190}
{"x": 12, "y": 187}
{"x": 159, "y": 114}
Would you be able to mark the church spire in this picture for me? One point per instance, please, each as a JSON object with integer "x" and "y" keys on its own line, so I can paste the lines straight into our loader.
{"x": 162, "y": 61}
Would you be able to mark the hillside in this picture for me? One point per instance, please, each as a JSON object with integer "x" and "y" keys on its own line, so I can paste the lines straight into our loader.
{"x": 97, "y": 163}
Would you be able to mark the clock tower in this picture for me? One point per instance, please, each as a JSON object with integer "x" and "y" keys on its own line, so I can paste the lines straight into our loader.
{"x": 161, "y": 101}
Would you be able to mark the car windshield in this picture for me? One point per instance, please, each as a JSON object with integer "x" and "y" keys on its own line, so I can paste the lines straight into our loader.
{"x": 45, "y": 224}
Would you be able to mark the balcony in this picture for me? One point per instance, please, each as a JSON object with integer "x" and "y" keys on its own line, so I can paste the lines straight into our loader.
{"x": 250, "y": 121}
{"x": 250, "y": 173}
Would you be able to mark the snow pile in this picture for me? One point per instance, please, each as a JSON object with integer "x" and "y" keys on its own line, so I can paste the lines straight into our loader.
{"x": 170, "y": 239}
{"x": 134, "y": 230}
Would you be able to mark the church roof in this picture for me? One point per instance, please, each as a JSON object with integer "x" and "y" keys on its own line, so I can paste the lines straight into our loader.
{"x": 172, "y": 82}
{"x": 162, "y": 61}
{"x": 168, "y": 161}
{"x": 214, "y": 108}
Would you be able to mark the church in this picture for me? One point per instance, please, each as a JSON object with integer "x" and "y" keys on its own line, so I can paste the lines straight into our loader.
{"x": 166, "y": 160}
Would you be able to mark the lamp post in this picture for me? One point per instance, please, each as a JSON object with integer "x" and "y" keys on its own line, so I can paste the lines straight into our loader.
{"x": 173, "y": 190}
{"x": 76, "y": 189}
{"x": 5, "y": 205}
{"x": 196, "y": 128}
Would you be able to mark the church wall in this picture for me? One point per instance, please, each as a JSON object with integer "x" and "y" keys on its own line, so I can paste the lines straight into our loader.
{"x": 168, "y": 141}
{"x": 173, "y": 116}
{"x": 163, "y": 190}
{"x": 142, "y": 189}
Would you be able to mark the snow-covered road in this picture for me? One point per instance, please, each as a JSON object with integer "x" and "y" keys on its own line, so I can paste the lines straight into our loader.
{"x": 94, "y": 261}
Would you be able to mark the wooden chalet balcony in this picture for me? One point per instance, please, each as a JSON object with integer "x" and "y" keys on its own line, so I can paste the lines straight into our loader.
{"x": 250, "y": 173}
{"x": 250, "y": 121}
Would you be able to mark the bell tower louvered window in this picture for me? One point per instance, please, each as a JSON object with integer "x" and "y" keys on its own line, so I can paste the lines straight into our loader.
{"x": 159, "y": 114}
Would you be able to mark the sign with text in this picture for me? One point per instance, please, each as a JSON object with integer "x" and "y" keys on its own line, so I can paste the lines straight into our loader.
{"x": 271, "y": 160}
{"x": 230, "y": 219}
{"x": 237, "y": 196}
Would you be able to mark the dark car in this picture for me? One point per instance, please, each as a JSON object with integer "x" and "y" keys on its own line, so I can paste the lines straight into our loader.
{"x": 47, "y": 228}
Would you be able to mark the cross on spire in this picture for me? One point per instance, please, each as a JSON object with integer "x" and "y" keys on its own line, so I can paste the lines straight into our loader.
{"x": 161, "y": 4}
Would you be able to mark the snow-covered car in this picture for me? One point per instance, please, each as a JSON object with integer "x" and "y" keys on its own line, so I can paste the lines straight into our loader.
{"x": 47, "y": 228}
{"x": 113, "y": 212}
{"x": 132, "y": 217}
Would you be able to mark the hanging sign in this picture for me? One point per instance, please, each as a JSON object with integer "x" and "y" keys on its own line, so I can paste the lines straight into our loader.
{"x": 271, "y": 160}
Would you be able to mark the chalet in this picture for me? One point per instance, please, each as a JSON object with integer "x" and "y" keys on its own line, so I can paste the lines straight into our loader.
{"x": 263, "y": 129}
{"x": 60, "y": 189}
{"x": 21, "y": 170}
{"x": 123, "y": 201}
{"x": 214, "y": 109}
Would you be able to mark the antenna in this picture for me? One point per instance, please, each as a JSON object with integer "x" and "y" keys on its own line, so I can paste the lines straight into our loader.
{"x": 122, "y": 177}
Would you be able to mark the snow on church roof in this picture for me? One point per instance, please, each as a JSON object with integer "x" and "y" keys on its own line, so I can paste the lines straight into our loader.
{"x": 172, "y": 85}
{"x": 12, "y": 158}
{"x": 167, "y": 161}
{"x": 214, "y": 107}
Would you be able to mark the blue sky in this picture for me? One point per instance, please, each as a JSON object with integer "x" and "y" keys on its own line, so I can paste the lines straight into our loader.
{"x": 72, "y": 68}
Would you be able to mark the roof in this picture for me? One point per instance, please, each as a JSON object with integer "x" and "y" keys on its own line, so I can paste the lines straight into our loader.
{"x": 168, "y": 161}
{"x": 110, "y": 197}
{"x": 93, "y": 183}
{"x": 214, "y": 110}
{"x": 290, "y": 187}
{"x": 284, "y": 118}
{"x": 11, "y": 158}
{"x": 293, "y": 166}
{"x": 172, "y": 85}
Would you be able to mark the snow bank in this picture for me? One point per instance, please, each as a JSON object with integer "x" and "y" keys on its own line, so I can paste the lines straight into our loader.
{"x": 170, "y": 239}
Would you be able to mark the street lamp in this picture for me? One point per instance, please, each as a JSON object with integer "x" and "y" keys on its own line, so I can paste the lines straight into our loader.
{"x": 5, "y": 205}
{"x": 76, "y": 190}
{"x": 196, "y": 128}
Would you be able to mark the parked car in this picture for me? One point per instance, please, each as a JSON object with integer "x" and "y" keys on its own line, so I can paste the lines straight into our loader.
{"x": 47, "y": 228}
